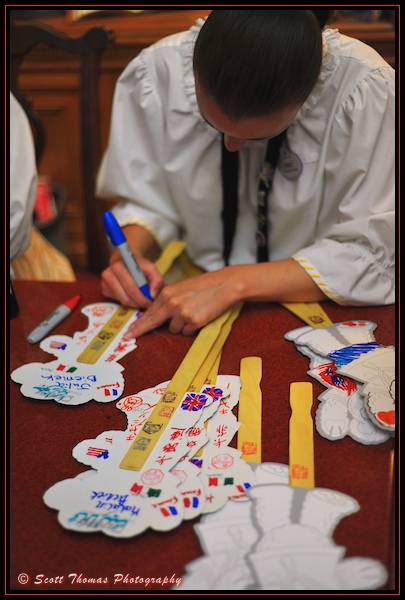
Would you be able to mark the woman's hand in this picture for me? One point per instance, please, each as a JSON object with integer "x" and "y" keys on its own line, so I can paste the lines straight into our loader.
{"x": 190, "y": 304}
{"x": 116, "y": 280}
{"x": 118, "y": 283}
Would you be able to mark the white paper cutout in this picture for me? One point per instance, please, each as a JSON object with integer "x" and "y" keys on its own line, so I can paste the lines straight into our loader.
{"x": 361, "y": 405}
{"x": 70, "y": 382}
{"x": 173, "y": 485}
{"x": 376, "y": 370}
{"x": 283, "y": 543}
{"x": 226, "y": 536}
{"x": 224, "y": 473}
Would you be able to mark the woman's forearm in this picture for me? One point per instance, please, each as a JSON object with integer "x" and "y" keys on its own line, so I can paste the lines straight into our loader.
{"x": 278, "y": 281}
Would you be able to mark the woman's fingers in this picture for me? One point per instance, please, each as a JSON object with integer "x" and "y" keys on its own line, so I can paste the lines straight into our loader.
{"x": 117, "y": 283}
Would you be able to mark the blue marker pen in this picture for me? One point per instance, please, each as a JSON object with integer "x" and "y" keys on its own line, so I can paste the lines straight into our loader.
{"x": 119, "y": 240}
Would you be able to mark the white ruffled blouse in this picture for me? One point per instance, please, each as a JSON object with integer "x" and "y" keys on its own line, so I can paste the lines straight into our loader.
{"x": 23, "y": 179}
{"x": 337, "y": 219}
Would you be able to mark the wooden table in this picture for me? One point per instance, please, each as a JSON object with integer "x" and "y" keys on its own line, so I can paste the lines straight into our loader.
{"x": 42, "y": 436}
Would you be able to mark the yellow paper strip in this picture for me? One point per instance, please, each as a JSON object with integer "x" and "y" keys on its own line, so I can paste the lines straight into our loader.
{"x": 310, "y": 312}
{"x": 159, "y": 419}
{"x": 301, "y": 443}
{"x": 169, "y": 255}
{"x": 215, "y": 355}
{"x": 250, "y": 409}
{"x": 207, "y": 367}
{"x": 106, "y": 335}
{"x": 209, "y": 380}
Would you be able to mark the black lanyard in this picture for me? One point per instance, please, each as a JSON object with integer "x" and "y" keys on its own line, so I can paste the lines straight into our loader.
{"x": 230, "y": 173}
{"x": 230, "y": 163}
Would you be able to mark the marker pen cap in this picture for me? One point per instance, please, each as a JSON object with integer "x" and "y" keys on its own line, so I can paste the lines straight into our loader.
{"x": 113, "y": 229}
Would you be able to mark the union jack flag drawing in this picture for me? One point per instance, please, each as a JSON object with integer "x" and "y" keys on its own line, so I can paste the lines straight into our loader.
{"x": 194, "y": 401}
{"x": 216, "y": 393}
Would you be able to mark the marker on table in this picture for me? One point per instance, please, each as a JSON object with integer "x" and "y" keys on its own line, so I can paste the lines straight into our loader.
{"x": 58, "y": 315}
{"x": 119, "y": 240}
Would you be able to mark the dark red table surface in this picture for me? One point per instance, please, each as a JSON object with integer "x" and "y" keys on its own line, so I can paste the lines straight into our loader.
{"x": 43, "y": 434}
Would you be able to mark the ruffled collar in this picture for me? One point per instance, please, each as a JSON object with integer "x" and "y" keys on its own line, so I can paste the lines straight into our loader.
{"x": 330, "y": 40}
{"x": 188, "y": 73}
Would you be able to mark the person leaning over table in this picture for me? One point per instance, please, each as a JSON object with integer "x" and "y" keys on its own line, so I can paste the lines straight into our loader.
{"x": 23, "y": 180}
{"x": 32, "y": 256}
{"x": 250, "y": 75}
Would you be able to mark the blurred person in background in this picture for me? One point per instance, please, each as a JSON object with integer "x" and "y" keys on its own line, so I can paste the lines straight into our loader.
{"x": 32, "y": 256}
